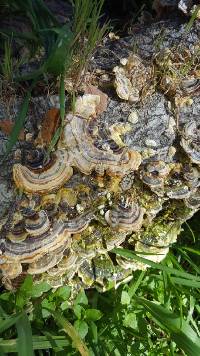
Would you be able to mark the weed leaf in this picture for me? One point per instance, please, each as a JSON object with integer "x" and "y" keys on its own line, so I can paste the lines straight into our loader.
{"x": 71, "y": 332}
{"x": 11, "y": 320}
{"x": 180, "y": 331}
{"x": 24, "y": 341}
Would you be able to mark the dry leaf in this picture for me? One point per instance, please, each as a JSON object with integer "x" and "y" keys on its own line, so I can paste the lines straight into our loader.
{"x": 102, "y": 106}
{"x": 49, "y": 125}
{"x": 6, "y": 127}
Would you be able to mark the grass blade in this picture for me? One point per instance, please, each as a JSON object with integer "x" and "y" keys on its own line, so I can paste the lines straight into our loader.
{"x": 19, "y": 122}
{"x": 62, "y": 98}
{"x": 186, "y": 282}
{"x": 192, "y": 19}
{"x": 54, "y": 139}
{"x": 3, "y": 314}
{"x": 129, "y": 254}
{"x": 29, "y": 36}
{"x": 134, "y": 285}
{"x": 39, "y": 343}
{"x": 180, "y": 331}
{"x": 24, "y": 341}
{"x": 71, "y": 332}
{"x": 189, "y": 249}
{"x": 11, "y": 320}
{"x": 191, "y": 231}
{"x": 60, "y": 53}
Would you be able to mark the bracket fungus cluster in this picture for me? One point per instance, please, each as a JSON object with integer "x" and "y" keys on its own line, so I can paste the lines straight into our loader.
{"x": 110, "y": 182}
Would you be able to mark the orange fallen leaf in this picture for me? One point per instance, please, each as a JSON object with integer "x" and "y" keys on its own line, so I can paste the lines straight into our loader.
{"x": 49, "y": 126}
{"x": 91, "y": 89}
{"x": 6, "y": 127}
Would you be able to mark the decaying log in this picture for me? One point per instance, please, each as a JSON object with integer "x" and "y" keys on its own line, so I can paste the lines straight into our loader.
{"x": 127, "y": 177}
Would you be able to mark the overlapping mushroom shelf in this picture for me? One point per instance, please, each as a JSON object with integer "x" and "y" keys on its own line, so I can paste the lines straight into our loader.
{"x": 128, "y": 177}
{"x": 92, "y": 195}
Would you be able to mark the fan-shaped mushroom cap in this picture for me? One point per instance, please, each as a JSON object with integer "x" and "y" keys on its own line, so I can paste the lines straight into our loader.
{"x": 44, "y": 181}
{"x": 125, "y": 217}
{"x": 87, "y": 156}
{"x": 190, "y": 141}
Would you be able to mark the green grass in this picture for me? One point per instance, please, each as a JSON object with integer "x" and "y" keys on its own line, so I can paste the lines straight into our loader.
{"x": 67, "y": 49}
{"x": 192, "y": 19}
{"x": 157, "y": 313}
{"x": 7, "y": 65}
{"x": 87, "y": 35}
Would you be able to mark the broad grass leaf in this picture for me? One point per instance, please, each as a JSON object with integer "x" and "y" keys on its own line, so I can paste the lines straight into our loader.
{"x": 189, "y": 249}
{"x": 19, "y": 122}
{"x": 24, "y": 340}
{"x": 8, "y": 322}
{"x": 60, "y": 53}
{"x": 71, "y": 332}
{"x": 186, "y": 282}
{"x": 21, "y": 300}
{"x": 180, "y": 331}
{"x": 25, "y": 35}
{"x": 39, "y": 343}
{"x": 3, "y": 314}
{"x": 135, "y": 283}
{"x": 192, "y": 19}
{"x": 190, "y": 259}
{"x": 55, "y": 139}
{"x": 129, "y": 254}
{"x": 57, "y": 43}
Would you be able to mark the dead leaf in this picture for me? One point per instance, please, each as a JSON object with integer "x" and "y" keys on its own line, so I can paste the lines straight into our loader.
{"x": 49, "y": 126}
{"x": 6, "y": 127}
{"x": 91, "y": 89}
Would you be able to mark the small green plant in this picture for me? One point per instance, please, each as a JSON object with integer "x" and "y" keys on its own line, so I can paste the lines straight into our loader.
{"x": 7, "y": 65}
{"x": 192, "y": 18}
{"x": 88, "y": 33}
{"x": 67, "y": 49}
